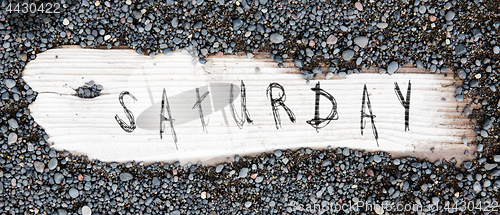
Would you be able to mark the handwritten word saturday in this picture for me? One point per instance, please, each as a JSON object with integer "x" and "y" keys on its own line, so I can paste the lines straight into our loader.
{"x": 277, "y": 98}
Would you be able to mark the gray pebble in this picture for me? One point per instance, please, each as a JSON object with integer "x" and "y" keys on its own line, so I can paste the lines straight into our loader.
{"x": 86, "y": 210}
{"x": 219, "y": 168}
{"x": 382, "y": 25}
{"x": 490, "y": 166}
{"x": 496, "y": 49}
{"x": 243, "y": 172}
{"x": 460, "y": 49}
{"x": 377, "y": 158}
{"x": 276, "y": 38}
{"x": 248, "y": 204}
{"x": 73, "y": 192}
{"x": 347, "y": 54}
{"x": 461, "y": 74}
{"x": 342, "y": 74}
{"x": 346, "y": 152}
{"x": 484, "y": 133}
{"x": 39, "y": 166}
{"x": 259, "y": 179}
{"x": 496, "y": 158}
{"x": 12, "y": 138}
{"x": 477, "y": 187}
{"x": 237, "y": 24}
{"x": 488, "y": 124}
{"x": 58, "y": 177}
{"x": 125, "y": 176}
{"x": 298, "y": 63}
{"x": 392, "y": 68}
{"x": 361, "y": 41}
{"x": 459, "y": 98}
{"x": 9, "y": 83}
{"x": 278, "y": 153}
{"x": 450, "y": 15}
{"x": 52, "y": 164}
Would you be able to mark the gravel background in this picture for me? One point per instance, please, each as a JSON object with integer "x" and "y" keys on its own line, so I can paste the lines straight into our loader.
{"x": 342, "y": 35}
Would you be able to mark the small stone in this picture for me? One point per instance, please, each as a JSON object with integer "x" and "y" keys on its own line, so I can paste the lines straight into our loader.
{"x": 9, "y": 83}
{"x": 276, "y": 38}
{"x": 23, "y": 57}
{"x": 496, "y": 50}
{"x": 329, "y": 75}
{"x": 377, "y": 158}
{"x": 432, "y": 18}
{"x": 490, "y": 166}
{"x": 331, "y": 40}
{"x": 342, "y": 74}
{"x": 435, "y": 200}
{"x": 125, "y": 176}
{"x": 58, "y": 177}
{"x": 450, "y": 15}
{"x": 12, "y": 138}
{"x": 460, "y": 49}
{"x": 347, "y": 54}
{"x": 237, "y": 24}
{"x": 243, "y": 173}
{"x": 259, "y": 179}
{"x": 477, "y": 187}
{"x": 382, "y": 25}
{"x": 379, "y": 210}
{"x": 422, "y": 9}
{"x": 393, "y": 67}
{"x": 52, "y": 164}
{"x": 311, "y": 43}
{"x": 250, "y": 55}
{"x": 66, "y": 21}
{"x": 107, "y": 37}
{"x": 73, "y": 192}
{"x": 248, "y": 204}
{"x": 317, "y": 70}
{"x": 488, "y": 124}
{"x": 484, "y": 133}
{"x": 495, "y": 173}
{"x": 461, "y": 74}
{"x": 298, "y": 63}
{"x": 278, "y": 153}
{"x": 496, "y": 158}
{"x": 39, "y": 166}
{"x": 86, "y": 210}
{"x": 358, "y": 6}
{"x": 346, "y": 152}
{"x": 203, "y": 195}
{"x": 219, "y": 168}
{"x": 361, "y": 41}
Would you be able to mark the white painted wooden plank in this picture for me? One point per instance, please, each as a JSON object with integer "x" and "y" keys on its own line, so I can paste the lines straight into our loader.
{"x": 88, "y": 126}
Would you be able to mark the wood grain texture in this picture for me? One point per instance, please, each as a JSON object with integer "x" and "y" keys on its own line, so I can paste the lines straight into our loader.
{"x": 88, "y": 126}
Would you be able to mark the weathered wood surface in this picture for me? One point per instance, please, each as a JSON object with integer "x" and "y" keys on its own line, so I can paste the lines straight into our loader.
{"x": 88, "y": 126}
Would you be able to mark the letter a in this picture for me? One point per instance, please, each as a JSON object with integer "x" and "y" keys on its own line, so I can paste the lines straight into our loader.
{"x": 366, "y": 100}
{"x": 166, "y": 105}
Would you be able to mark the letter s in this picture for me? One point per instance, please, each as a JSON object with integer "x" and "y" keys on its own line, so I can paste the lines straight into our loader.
{"x": 130, "y": 115}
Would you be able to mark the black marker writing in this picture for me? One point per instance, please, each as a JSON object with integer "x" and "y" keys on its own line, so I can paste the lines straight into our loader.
{"x": 366, "y": 100}
{"x": 163, "y": 118}
{"x": 280, "y": 101}
{"x": 128, "y": 113}
{"x": 200, "y": 110}
{"x": 404, "y": 102}
{"x": 240, "y": 121}
{"x": 316, "y": 122}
